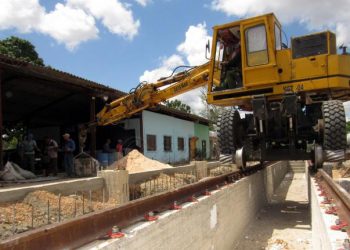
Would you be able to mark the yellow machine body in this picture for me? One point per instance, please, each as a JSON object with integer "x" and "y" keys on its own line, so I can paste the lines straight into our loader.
{"x": 272, "y": 71}
{"x": 267, "y": 68}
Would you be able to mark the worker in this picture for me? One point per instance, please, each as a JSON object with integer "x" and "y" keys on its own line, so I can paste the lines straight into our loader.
{"x": 50, "y": 156}
{"x": 231, "y": 69}
{"x": 232, "y": 78}
{"x": 119, "y": 149}
{"x": 29, "y": 147}
{"x": 68, "y": 151}
{"x": 107, "y": 146}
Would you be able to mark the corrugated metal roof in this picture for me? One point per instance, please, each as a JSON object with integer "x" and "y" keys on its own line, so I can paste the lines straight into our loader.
{"x": 50, "y": 73}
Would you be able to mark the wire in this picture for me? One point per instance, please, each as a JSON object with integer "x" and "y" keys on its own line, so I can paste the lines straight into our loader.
{"x": 133, "y": 90}
{"x": 181, "y": 66}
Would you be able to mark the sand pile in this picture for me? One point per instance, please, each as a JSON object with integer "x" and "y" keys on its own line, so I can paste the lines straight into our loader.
{"x": 135, "y": 162}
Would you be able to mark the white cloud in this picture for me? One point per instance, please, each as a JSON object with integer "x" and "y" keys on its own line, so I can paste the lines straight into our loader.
{"x": 315, "y": 14}
{"x": 194, "y": 45}
{"x": 58, "y": 24}
{"x": 71, "y": 22}
{"x": 19, "y": 14}
{"x": 165, "y": 69}
{"x": 143, "y": 3}
{"x": 117, "y": 17}
{"x": 191, "y": 51}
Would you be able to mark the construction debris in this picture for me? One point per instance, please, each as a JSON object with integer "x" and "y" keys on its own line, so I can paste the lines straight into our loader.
{"x": 135, "y": 162}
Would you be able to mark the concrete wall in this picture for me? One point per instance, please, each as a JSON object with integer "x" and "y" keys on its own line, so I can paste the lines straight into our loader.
{"x": 323, "y": 238}
{"x": 67, "y": 187}
{"x": 202, "y": 132}
{"x": 273, "y": 177}
{"x": 163, "y": 125}
{"x": 135, "y": 125}
{"x": 215, "y": 222}
{"x": 64, "y": 187}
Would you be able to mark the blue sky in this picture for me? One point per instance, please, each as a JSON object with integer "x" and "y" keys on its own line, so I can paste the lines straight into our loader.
{"x": 117, "y": 47}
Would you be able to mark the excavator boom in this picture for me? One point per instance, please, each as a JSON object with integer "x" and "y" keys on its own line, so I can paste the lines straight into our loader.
{"x": 150, "y": 94}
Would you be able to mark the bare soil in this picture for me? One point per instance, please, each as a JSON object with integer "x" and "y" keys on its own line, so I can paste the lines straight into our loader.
{"x": 32, "y": 211}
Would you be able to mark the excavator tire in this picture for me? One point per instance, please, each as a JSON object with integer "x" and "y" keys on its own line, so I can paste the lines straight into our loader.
{"x": 228, "y": 123}
{"x": 334, "y": 127}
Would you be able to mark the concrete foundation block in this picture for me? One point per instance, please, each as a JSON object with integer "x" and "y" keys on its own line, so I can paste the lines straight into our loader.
{"x": 116, "y": 184}
{"x": 201, "y": 169}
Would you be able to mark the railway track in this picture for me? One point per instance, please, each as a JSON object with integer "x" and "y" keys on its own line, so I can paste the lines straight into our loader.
{"x": 85, "y": 229}
{"x": 336, "y": 196}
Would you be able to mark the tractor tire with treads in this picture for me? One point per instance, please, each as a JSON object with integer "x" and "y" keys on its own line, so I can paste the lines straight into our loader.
{"x": 334, "y": 125}
{"x": 228, "y": 128}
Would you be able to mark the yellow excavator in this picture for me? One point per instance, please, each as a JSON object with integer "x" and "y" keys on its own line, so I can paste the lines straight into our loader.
{"x": 292, "y": 95}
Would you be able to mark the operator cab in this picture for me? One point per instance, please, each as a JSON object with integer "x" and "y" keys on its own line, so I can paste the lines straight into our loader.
{"x": 229, "y": 58}
{"x": 244, "y": 57}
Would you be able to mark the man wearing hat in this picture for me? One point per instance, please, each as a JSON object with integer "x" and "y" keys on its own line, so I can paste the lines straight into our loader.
{"x": 68, "y": 150}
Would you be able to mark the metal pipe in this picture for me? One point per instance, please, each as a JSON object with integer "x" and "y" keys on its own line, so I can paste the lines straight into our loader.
{"x": 32, "y": 216}
{"x": 59, "y": 207}
{"x": 90, "y": 199}
{"x": 261, "y": 126}
{"x": 14, "y": 219}
{"x": 48, "y": 211}
{"x": 83, "y": 203}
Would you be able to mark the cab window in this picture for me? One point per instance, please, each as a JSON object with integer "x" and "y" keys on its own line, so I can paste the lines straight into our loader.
{"x": 256, "y": 46}
{"x": 278, "y": 37}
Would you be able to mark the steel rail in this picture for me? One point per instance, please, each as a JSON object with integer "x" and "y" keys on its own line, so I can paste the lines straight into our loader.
{"x": 93, "y": 226}
{"x": 340, "y": 196}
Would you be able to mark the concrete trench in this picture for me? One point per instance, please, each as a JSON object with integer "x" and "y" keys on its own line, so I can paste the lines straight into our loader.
{"x": 215, "y": 222}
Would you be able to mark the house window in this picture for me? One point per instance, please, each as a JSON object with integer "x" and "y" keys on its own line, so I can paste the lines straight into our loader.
{"x": 151, "y": 143}
{"x": 167, "y": 143}
{"x": 180, "y": 144}
{"x": 256, "y": 46}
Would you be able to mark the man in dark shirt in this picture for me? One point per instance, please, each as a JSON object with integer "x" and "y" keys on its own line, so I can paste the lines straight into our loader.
{"x": 68, "y": 150}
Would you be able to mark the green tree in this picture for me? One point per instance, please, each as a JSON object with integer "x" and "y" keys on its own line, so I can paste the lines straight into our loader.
{"x": 347, "y": 127}
{"x": 21, "y": 49}
{"x": 177, "y": 104}
{"x": 210, "y": 112}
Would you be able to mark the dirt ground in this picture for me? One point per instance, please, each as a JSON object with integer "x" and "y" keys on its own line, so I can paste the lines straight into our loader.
{"x": 285, "y": 223}
{"x": 17, "y": 217}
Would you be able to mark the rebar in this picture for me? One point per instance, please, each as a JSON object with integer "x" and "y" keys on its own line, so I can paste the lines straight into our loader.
{"x": 83, "y": 203}
{"x": 48, "y": 211}
{"x": 75, "y": 204}
{"x": 103, "y": 196}
{"x": 14, "y": 219}
{"x": 162, "y": 183}
{"x": 32, "y": 224}
{"x": 59, "y": 207}
{"x": 90, "y": 200}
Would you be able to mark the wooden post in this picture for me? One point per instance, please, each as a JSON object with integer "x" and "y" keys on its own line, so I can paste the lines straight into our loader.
{"x": 93, "y": 128}
{"x": 1, "y": 121}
